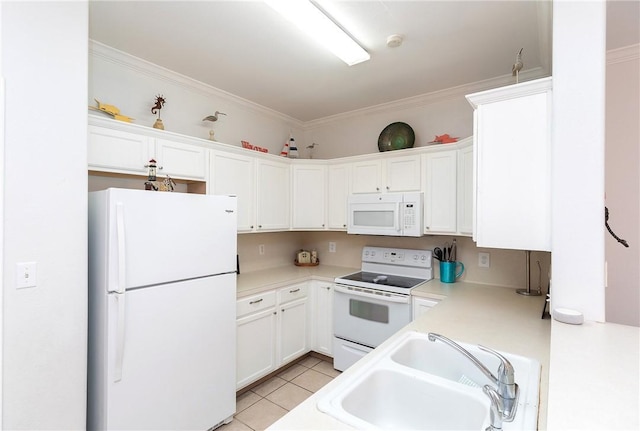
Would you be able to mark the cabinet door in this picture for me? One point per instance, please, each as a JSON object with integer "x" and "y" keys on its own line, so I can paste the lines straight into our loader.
{"x": 337, "y": 193}
{"x": 309, "y": 196}
{"x": 180, "y": 160}
{"x": 422, "y": 306}
{"x": 322, "y": 318}
{"x": 366, "y": 176}
{"x": 466, "y": 191}
{"x": 440, "y": 192}
{"x": 115, "y": 151}
{"x": 402, "y": 174}
{"x": 234, "y": 174}
{"x": 272, "y": 195}
{"x": 292, "y": 330}
{"x": 256, "y": 346}
{"x": 513, "y": 167}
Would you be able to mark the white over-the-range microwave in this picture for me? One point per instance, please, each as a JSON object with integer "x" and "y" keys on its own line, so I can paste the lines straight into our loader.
{"x": 391, "y": 214}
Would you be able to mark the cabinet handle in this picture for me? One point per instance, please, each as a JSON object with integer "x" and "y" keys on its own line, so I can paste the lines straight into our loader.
{"x": 294, "y": 291}
{"x": 377, "y": 189}
{"x": 256, "y": 301}
{"x": 387, "y": 187}
{"x": 282, "y": 310}
{"x": 259, "y": 226}
{"x": 328, "y": 287}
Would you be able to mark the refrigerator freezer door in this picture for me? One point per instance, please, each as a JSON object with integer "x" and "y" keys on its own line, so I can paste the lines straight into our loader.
{"x": 178, "y": 362}
{"x": 168, "y": 237}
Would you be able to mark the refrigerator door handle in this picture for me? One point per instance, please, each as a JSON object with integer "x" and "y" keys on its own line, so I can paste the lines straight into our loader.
{"x": 120, "y": 288}
{"x": 117, "y": 372}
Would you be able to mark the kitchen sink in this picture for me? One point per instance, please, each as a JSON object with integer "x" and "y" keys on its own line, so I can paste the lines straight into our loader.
{"x": 391, "y": 399}
{"x": 415, "y": 383}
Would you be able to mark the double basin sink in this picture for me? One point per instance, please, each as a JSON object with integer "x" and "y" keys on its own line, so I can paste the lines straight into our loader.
{"x": 415, "y": 383}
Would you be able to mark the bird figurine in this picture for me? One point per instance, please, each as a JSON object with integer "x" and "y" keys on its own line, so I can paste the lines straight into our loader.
{"x": 213, "y": 117}
{"x": 517, "y": 66}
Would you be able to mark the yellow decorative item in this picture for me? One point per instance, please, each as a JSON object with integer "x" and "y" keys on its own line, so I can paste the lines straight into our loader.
{"x": 111, "y": 110}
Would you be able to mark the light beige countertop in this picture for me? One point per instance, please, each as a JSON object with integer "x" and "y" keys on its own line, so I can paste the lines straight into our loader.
{"x": 474, "y": 313}
{"x": 595, "y": 375}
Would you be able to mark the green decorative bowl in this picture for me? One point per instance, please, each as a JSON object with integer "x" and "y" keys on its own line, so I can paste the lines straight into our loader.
{"x": 396, "y": 136}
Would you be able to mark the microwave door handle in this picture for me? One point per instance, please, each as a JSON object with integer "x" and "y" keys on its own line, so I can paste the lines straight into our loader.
{"x": 398, "y": 221}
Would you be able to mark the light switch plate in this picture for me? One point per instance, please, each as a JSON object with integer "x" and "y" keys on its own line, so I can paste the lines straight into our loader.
{"x": 26, "y": 274}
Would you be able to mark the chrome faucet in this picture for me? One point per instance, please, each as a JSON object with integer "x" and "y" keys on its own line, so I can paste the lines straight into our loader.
{"x": 504, "y": 397}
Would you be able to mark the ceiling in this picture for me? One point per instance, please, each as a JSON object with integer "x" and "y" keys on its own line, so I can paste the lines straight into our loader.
{"x": 246, "y": 49}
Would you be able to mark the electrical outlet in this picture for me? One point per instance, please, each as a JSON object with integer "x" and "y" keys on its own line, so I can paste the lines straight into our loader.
{"x": 26, "y": 274}
{"x": 484, "y": 260}
{"x": 261, "y": 249}
{"x": 332, "y": 247}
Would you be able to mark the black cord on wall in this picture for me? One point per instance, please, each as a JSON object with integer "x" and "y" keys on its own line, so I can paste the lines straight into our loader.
{"x": 606, "y": 223}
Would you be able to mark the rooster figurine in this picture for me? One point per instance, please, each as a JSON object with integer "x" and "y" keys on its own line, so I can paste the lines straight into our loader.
{"x": 517, "y": 66}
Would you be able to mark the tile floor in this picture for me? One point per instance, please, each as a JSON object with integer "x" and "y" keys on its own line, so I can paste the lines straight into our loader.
{"x": 263, "y": 405}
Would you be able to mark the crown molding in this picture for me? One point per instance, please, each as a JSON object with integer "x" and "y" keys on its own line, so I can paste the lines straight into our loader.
{"x": 624, "y": 54}
{"x": 136, "y": 64}
{"x": 152, "y": 70}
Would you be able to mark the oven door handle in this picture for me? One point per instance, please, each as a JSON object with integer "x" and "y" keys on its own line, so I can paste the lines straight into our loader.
{"x": 401, "y": 299}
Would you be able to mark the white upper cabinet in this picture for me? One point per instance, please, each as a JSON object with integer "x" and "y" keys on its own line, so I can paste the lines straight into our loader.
{"x": 402, "y": 174}
{"x": 386, "y": 174}
{"x": 180, "y": 160}
{"x": 337, "y": 193}
{"x": 512, "y": 144}
{"x": 366, "y": 176}
{"x": 117, "y": 151}
{"x": 440, "y": 191}
{"x": 465, "y": 190}
{"x": 272, "y": 193}
{"x": 309, "y": 193}
{"x": 234, "y": 174}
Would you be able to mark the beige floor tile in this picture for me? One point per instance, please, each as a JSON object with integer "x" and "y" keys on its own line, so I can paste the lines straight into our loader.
{"x": 289, "y": 396}
{"x": 292, "y": 372}
{"x": 326, "y": 367}
{"x": 309, "y": 361}
{"x": 311, "y": 380}
{"x": 269, "y": 386}
{"x": 234, "y": 425}
{"x": 262, "y": 414}
{"x": 246, "y": 400}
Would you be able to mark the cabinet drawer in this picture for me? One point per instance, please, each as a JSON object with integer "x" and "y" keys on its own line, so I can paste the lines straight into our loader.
{"x": 291, "y": 293}
{"x": 255, "y": 303}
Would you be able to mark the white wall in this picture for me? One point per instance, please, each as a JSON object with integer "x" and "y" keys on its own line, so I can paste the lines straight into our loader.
{"x": 579, "y": 30}
{"x": 622, "y": 185}
{"x": 44, "y": 57}
{"x": 132, "y": 84}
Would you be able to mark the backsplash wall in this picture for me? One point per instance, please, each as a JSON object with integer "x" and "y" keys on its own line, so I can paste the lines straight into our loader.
{"x": 508, "y": 267}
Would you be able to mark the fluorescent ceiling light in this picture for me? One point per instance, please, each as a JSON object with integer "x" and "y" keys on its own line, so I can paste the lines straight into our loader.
{"x": 316, "y": 24}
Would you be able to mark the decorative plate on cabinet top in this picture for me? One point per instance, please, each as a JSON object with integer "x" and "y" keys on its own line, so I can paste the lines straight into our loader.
{"x": 396, "y": 136}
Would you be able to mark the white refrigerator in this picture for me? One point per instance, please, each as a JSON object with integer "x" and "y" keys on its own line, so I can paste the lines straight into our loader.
{"x": 162, "y": 292}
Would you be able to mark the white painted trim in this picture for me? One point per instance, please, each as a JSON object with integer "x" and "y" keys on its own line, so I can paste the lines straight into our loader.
{"x": 506, "y": 93}
{"x": 621, "y": 55}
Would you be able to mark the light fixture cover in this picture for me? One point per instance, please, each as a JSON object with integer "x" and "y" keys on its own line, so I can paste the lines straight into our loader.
{"x": 316, "y": 24}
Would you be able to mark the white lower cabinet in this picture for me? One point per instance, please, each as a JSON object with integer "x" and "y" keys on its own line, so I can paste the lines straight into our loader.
{"x": 322, "y": 317}
{"x": 422, "y": 305}
{"x": 256, "y": 337}
{"x": 272, "y": 330}
{"x": 292, "y": 323}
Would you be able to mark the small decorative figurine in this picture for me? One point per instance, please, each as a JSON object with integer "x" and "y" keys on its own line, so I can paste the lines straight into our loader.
{"x": 160, "y": 101}
{"x": 168, "y": 185}
{"x": 152, "y": 166}
{"x": 111, "y": 110}
{"x": 517, "y": 66}
{"x": 212, "y": 118}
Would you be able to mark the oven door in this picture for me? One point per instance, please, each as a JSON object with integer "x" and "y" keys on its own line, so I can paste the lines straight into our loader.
{"x": 367, "y": 318}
